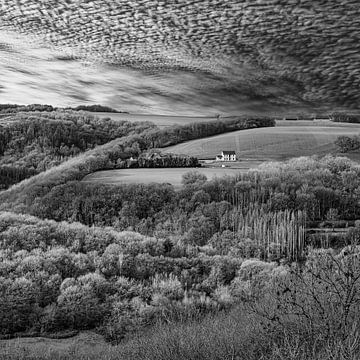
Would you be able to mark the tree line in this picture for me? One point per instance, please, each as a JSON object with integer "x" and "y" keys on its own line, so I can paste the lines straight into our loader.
{"x": 14, "y": 108}
{"x": 345, "y": 118}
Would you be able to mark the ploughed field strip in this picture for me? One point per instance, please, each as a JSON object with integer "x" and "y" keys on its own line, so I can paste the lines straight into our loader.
{"x": 281, "y": 142}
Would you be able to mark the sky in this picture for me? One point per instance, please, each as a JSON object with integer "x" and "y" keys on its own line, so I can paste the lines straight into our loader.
{"x": 186, "y": 57}
{"x": 35, "y": 72}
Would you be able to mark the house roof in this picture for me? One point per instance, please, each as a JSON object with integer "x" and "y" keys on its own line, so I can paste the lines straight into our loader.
{"x": 229, "y": 152}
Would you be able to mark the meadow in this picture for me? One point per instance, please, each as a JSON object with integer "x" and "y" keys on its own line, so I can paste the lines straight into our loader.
{"x": 288, "y": 139}
{"x": 172, "y": 176}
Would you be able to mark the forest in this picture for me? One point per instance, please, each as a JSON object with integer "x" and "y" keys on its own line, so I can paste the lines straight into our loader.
{"x": 122, "y": 258}
{"x": 15, "y": 108}
{"x": 31, "y": 143}
{"x": 345, "y": 118}
{"x": 271, "y": 254}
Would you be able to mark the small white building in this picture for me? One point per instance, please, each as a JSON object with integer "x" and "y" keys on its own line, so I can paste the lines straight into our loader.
{"x": 226, "y": 156}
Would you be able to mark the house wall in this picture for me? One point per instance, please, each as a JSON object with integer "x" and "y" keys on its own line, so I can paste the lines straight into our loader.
{"x": 226, "y": 158}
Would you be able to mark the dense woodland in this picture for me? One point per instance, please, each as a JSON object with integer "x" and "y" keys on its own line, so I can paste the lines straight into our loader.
{"x": 327, "y": 189}
{"x": 345, "y": 118}
{"x": 32, "y": 143}
{"x": 15, "y": 108}
{"x": 229, "y": 251}
{"x": 129, "y": 256}
{"x": 95, "y": 108}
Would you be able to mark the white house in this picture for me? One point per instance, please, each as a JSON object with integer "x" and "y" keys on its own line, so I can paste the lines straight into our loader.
{"x": 226, "y": 156}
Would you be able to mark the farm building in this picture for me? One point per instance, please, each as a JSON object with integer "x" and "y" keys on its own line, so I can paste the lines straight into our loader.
{"x": 226, "y": 156}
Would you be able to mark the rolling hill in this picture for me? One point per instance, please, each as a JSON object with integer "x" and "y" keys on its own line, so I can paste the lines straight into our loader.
{"x": 187, "y": 57}
{"x": 288, "y": 139}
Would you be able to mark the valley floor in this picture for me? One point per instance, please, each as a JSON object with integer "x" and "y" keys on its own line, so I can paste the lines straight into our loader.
{"x": 172, "y": 176}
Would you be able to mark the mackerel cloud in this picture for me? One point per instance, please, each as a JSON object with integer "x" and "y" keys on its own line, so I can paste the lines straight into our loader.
{"x": 156, "y": 55}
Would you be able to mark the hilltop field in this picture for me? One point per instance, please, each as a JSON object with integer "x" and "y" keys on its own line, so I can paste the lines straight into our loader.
{"x": 148, "y": 176}
{"x": 286, "y": 140}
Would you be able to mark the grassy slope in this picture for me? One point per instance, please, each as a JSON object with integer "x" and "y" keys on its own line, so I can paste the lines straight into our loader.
{"x": 286, "y": 140}
{"x": 147, "y": 176}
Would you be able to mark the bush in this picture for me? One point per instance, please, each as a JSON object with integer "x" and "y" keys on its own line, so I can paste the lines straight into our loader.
{"x": 348, "y": 143}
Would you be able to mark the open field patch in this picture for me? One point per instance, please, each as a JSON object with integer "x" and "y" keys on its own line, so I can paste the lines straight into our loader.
{"x": 84, "y": 342}
{"x": 286, "y": 140}
{"x": 168, "y": 175}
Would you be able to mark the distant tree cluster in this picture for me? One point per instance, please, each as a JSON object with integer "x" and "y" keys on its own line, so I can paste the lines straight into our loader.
{"x": 95, "y": 108}
{"x": 14, "y": 108}
{"x": 348, "y": 143}
{"x": 345, "y": 118}
{"x": 158, "y": 160}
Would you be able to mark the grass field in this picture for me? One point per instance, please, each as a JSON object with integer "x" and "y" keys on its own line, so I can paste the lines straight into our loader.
{"x": 288, "y": 139}
{"x": 146, "y": 176}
